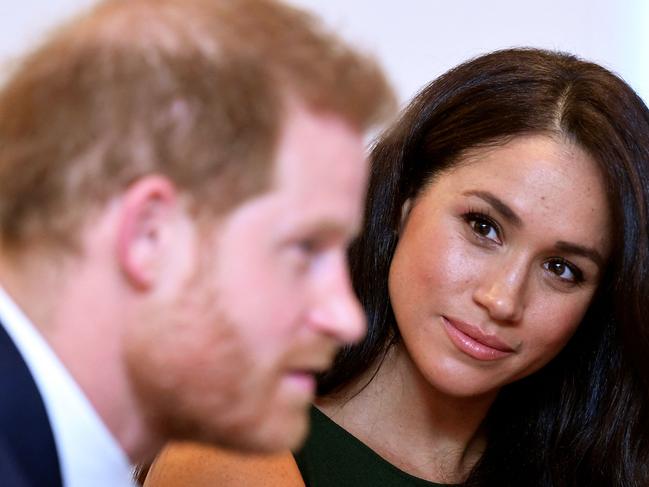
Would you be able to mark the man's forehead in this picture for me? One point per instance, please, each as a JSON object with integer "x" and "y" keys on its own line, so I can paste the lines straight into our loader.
{"x": 318, "y": 146}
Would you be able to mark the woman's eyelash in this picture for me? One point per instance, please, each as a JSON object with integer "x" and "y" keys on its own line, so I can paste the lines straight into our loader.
{"x": 478, "y": 216}
{"x": 482, "y": 224}
{"x": 576, "y": 271}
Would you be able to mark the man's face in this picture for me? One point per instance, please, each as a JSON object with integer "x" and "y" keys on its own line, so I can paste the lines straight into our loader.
{"x": 265, "y": 300}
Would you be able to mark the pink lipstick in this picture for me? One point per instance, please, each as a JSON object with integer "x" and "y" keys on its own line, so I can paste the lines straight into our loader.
{"x": 474, "y": 342}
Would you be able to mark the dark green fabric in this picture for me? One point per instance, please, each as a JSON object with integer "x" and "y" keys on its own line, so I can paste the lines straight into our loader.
{"x": 332, "y": 457}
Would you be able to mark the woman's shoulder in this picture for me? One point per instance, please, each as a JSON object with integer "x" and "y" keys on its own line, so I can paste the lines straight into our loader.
{"x": 202, "y": 466}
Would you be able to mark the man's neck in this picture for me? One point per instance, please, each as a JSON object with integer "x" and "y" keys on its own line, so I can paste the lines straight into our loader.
{"x": 74, "y": 313}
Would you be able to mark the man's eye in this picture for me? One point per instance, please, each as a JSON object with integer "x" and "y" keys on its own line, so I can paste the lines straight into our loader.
{"x": 308, "y": 246}
{"x": 483, "y": 226}
{"x": 564, "y": 270}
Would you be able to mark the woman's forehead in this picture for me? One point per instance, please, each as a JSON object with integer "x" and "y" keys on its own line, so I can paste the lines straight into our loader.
{"x": 541, "y": 180}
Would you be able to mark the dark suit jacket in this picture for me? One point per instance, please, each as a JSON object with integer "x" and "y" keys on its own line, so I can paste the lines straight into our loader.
{"x": 28, "y": 456}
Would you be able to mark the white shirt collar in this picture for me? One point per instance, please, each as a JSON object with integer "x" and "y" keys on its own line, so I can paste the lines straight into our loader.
{"x": 88, "y": 452}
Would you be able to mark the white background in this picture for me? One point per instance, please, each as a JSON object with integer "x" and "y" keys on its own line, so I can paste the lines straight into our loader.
{"x": 419, "y": 39}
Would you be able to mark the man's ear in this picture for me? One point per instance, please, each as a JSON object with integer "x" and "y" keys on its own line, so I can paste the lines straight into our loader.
{"x": 149, "y": 209}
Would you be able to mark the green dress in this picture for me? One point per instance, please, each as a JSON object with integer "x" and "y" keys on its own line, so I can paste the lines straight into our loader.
{"x": 333, "y": 457}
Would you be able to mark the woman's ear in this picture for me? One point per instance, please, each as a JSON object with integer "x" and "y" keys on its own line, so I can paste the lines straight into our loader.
{"x": 147, "y": 214}
{"x": 405, "y": 213}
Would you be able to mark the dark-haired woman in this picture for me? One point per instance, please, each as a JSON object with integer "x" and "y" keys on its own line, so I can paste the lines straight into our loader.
{"x": 504, "y": 269}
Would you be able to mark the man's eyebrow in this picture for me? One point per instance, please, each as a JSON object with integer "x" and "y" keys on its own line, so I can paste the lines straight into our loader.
{"x": 499, "y": 205}
{"x": 588, "y": 252}
{"x": 330, "y": 228}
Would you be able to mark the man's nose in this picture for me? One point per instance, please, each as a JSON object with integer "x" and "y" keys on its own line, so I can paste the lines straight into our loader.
{"x": 337, "y": 311}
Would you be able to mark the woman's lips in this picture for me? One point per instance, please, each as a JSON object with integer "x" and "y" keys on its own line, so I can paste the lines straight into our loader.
{"x": 473, "y": 342}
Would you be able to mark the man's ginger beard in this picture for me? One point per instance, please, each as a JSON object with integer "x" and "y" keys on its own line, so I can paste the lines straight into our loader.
{"x": 186, "y": 374}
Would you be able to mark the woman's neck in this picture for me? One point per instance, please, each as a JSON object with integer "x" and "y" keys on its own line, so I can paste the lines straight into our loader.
{"x": 409, "y": 423}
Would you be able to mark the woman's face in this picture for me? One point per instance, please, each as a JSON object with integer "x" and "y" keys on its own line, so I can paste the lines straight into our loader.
{"x": 497, "y": 262}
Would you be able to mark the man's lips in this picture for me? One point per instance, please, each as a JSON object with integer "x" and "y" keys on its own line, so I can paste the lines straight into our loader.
{"x": 301, "y": 379}
{"x": 474, "y": 342}
{"x": 305, "y": 373}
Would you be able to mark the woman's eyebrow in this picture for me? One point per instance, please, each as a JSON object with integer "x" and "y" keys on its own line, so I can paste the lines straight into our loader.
{"x": 499, "y": 205}
{"x": 575, "y": 249}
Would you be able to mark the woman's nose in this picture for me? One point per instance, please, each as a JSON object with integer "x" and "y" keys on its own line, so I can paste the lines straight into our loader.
{"x": 501, "y": 291}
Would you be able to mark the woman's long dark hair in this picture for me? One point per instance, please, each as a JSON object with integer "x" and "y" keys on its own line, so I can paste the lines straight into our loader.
{"x": 582, "y": 419}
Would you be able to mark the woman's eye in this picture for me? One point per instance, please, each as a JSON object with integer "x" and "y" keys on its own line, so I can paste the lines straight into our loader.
{"x": 483, "y": 227}
{"x": 564, "y": 270}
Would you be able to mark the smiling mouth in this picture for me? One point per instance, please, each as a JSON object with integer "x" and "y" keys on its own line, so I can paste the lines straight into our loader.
{"x": 473, "y": 342}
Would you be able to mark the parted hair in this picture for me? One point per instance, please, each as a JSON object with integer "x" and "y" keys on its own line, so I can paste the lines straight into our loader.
{"x": 195, "y": 90}
{"x": 582, "y": 419}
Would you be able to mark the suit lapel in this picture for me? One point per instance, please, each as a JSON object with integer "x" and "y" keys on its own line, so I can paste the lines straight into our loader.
{"x": 26, "y": 441}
